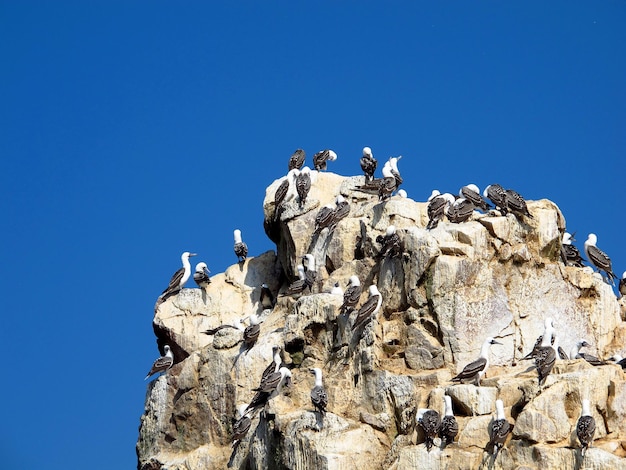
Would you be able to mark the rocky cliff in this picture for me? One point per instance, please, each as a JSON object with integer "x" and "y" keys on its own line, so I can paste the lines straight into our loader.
{"x": 447, "y": 290}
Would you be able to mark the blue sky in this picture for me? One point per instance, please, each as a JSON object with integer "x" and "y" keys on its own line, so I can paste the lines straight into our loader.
{"x": 133, "y": 131}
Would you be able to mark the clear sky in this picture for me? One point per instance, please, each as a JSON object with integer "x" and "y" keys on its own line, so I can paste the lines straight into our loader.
{"x": 133, "y": 131}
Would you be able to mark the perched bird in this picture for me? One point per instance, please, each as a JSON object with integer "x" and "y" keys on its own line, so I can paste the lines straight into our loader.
{"x": 303, "y": 184}
{"x": 499, "y": 429}
{"x": 368, "y": 164}
{"x": 393, "y": 163}
{"x": 437, "y": 207}
{"x": 310, "y": 271}
{"x": 449, "y": 427}
{"x": 201, "y": 275}
{"x": 369, "y": 309}
{"x": 475, "y": 370}
{"x": 569, "y": 253}
{"x": 352, "y": 294}
{"x": 261, "y": 398}
{"x": 429, "y": 421}
{"x": 237, "y": 324}
{"x": 391, "y": 243}
{"x": 297, "y": 286}
{"x": 285, "y": 191}
{"x": 472, "y": 194}
{"x": 599, "y": 258}
{"x": 497, "y": 195}
{"x": 321, "y": 158}
{"x": 342, "y": 209}
{"x": 179, "y": 278}
{"x": 267, "y": 298}
{"x": 297, "y": 159}
{"x": 545, "y": 356}
{"x": 251, "y": 333}
{"x": 585, "y": 427}
{"x": 325, "y": 218}
{"x": 163, "y": 363}
{"x": 576, "y": 354}
{"x": 241, "y": 249}
{"x": 402, "y": 193}
{"x": 242, "y": 425}
{"x": 319, "y": 397}
{"x": 274, "y": 366}
{"x": 337, "y": 290}
{"x": 388, "y": 184}
{"x": 622, "y": 285}
{"x": 546, "y": 325}
{"x": 619, "y": 360}
{"x": 516, "y": 203}
{"x": 460, "y": 210}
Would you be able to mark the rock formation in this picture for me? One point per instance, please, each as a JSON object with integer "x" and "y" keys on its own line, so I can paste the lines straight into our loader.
{"x": 449, "y": 289}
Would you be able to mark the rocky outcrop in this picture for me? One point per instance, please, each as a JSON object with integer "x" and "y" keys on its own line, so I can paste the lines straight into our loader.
{"x": 449, "y": 289}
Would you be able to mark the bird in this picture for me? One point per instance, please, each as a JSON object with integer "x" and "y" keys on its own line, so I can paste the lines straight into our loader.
{"x": 516, "y": 203}
{"x": 619, "y": 360}
{"x": 342, "y": 209}
{"x": 337, "y": 290}
{"x": 449, "y": 427}
{"x": 237, "y": 324}
{"x": 472, "y": 194}
{"x": 310, "y": 271}
{"x": 274, "y": 366}
{"x": 241, "y": 249}
{"x": 242, "y": 425}
{"x": 251, "y": 333}
{"x": 560, "y": 352}
{"x": 475, "y": 370}
{"x": 368, "y": 164}
{"x": 324, "y": 218}
{"x": 622, "y": 285}
{"x": 585, "y": 427}
{"x": 179, "y": 278}
{"x": 267, "y": 298}
{"x": 546, "y": 325}
{"x": 497, "y": 195}
{"x": 352, "y": 294}
{"x": 576, "y": 354}
{"x": 436, "y": 207}
{"x": 388, "y": 184}
{"x": 460, "y": 210}
{"x": 599, "y": 258}
{"x": 261, "y": 398}
{"x": 499, "y": 429}
{"x": 391, "y": 243}
{"x": 303, "y": 184}
{"x": 545, "y": 356}
{"x": 201, "y": 275}
{"x": 163, "y": 363}
{"x": 320, "y": 159}
{"x": 297, "y": 159}
{"x": 319, "y": 397}
{"x": 429, "y": 421}
{"x": 393, "y": 163}
{"x": 297, "y": 286}
{"x": 285, "y": 191}
{"x": 369, "y": 309}
{"x": 569, "y": 253}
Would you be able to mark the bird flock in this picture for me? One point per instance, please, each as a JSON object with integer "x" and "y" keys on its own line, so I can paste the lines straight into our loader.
{"x": 457, "y": 209}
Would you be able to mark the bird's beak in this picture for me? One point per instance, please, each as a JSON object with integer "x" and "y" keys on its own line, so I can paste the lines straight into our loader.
{"x": 495, "y": 342}
{"x": 193, "y": 254}
{"x": 572, "y": 236}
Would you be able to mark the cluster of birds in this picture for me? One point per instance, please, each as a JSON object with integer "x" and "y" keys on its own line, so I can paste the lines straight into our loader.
{"x": 456, "y": 209}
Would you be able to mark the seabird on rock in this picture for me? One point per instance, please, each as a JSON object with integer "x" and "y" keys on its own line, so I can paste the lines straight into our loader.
{"x": 599, "y": 258}
{"x": 622, "y": 285}
{"x": 285, "y": 191}
{"x": 297, "y": 286}
{"x": 297, "y": 159}
{"x": 303, "y": 184}
{"x": 325, "y": 218}
{"x": 516, "y": 203}
{"x": 585, "y": 427}
{"x": 242, "y": 425}
{"x": 545, "y": 356}
{"x": 274, "y": 366}
{"x": 391, "y": 243}
{"x": 201, "y": 275}
{"x": 569, "y": 253}
{"x": 369, "y": 309}
{"x": 241, "y": 249}
{"x": 352, "y": 294}
{"x": 319, "y": 397}
{"x": 437, "y": 207}
{"x": 163, "y": 363}
{"x": 237, "y": 324}
{"x": 497, "y": 195}
{"x": 472, "y": 194}
{"x": 337, "y": 290}
{"x": 475, "y": 370}
{"x": 342, "y": 209}
{"x": 368, "y": 164}
{"x": 261, "y": 398}
{"x": 402, "y": 193}
{"x": 320, "y": 159}
{"x": 393, "y": 163}
{"x": 460, "y": 210}
{"x": 499, "y": 429}
{"x": 429, "y": 421}
{"x": 619, "y": 360}
{"x": 179, "y": 278}
{"x": 387, "y": 184}
{"x": 547, "y": 324}
{"x": 576, "y": 354}
{"x": 251, "y": 333}
{"x": 449, "y": 427}
{"x": 310, "y": 270}
{"x": 267, "y": 298}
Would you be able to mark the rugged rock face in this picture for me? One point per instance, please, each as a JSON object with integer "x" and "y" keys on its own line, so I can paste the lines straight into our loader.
{"x": 449, "y": 289}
